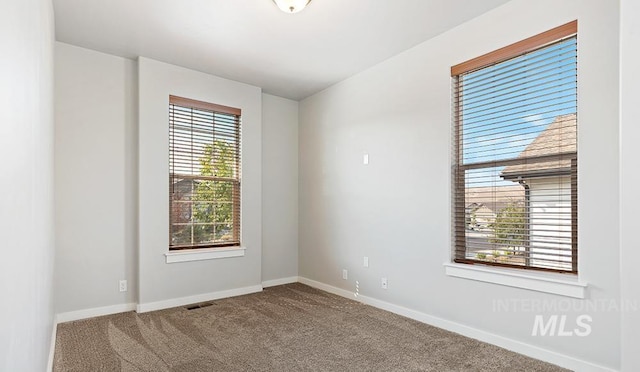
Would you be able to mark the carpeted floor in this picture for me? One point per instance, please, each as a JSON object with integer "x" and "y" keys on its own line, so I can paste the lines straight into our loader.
{"x": 286, "y": 328}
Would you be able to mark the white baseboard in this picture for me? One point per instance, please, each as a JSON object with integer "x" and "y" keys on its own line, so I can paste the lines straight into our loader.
{"x": 281, "y": 281}
{"x": 52, "y": 346}
{"x": 484, "y": 336}
{"x": 175, "y": 302}
{"x": 327, "y": 288}
{"x": 92, "y": 313}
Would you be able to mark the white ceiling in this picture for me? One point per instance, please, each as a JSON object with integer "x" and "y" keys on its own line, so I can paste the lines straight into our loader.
{"x": 252, "y": 41}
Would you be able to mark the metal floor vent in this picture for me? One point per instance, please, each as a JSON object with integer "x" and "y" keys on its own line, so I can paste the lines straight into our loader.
{"x": 198, "y": 306}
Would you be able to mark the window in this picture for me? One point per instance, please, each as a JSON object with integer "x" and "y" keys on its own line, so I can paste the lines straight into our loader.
{"x": 515, "y": 159}
{"x": 204, "y": 175}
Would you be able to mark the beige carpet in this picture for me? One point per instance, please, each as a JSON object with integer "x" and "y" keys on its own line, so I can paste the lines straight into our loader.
{"x": 287, "y": 328}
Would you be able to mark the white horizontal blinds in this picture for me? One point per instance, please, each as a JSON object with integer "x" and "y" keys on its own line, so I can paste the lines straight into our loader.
{"x": 515, "y": 162}
{"x": 204, "y": 174}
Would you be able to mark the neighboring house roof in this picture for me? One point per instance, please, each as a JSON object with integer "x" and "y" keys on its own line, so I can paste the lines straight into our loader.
{"x": 484, "y": 215}
{"x": 494, "y": 198}
{"x": 473, "y": 206}
{"x": 558, "y": 138}
{"x": 484, "y": 209}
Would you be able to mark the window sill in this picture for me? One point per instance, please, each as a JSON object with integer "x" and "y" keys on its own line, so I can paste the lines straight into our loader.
{"x": 560, "y": 284}
{"x": 203, "y": 254}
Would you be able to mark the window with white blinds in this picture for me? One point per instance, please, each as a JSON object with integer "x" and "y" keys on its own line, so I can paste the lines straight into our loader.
{"x": 515, "y": 159}
{"x": 204, "y": 174}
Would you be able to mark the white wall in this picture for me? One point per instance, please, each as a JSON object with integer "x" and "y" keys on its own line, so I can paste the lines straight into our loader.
{"x": 161, "y": 282}
{"x": 96, "y": 178}
{"x": 396, "y": 210}
{"x": 96, "y": 213}
{"x": 279, "y": 188}
{"x": 629, "y": 178}
{"x": 26, "y": 184}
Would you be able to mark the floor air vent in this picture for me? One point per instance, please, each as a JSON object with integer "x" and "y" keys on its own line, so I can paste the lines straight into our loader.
{"x": 198, "y": 306}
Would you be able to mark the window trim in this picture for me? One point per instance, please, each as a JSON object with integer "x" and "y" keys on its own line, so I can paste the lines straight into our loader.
{"x": 516, "y": 49}
{"x": 534, "y": 280}
{"x": 187, "y": 102}
{"x": 194, "y": 252}
{"x": 530, "y": 44}
{"x": 200, "y": 254}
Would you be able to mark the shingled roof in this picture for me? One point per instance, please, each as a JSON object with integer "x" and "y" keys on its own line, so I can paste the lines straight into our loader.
{"x": 558, "y": 138}
{"x": 494, "y": 198}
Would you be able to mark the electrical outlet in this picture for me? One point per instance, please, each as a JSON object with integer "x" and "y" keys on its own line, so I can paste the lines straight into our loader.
{"x": 345, "y": 274}
{"x": 383, "y": 283}
{"x": 123, "y": 286}
{"x": 365, "y": 159}
{"x": 365, "y": 263}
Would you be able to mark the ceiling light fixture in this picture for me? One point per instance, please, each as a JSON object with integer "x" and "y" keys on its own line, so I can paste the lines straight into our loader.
{"x": 291, "y": 6}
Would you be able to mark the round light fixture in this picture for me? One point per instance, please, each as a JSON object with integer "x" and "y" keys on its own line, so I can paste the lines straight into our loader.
{"x": 291, "y": 6}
